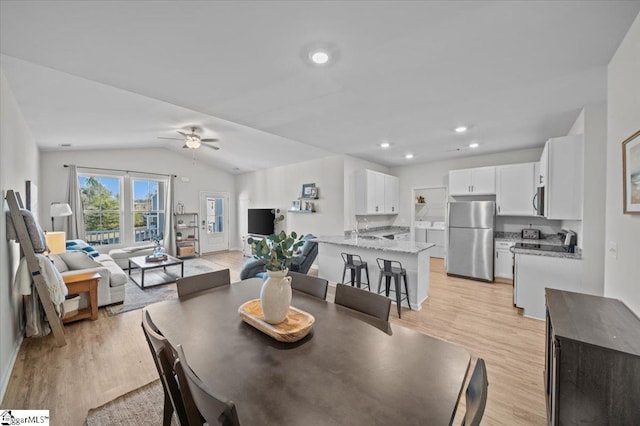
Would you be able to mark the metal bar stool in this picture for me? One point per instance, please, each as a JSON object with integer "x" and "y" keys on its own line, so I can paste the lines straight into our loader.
{"x": 393, "y": 269}
{"x": 355, "y": 264}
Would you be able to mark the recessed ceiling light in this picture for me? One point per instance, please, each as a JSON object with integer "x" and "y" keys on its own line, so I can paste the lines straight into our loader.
{"x": 319, "y": 57}
{"x": 474, "y": 145}
{"x": 408, "y": 156}
{"x": 385, "y": 145}
{"x": 461, "y": 129}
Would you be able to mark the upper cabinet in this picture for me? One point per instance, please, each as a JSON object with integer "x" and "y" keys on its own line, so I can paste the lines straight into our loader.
{"x": 478, "y": 181}
{"x": 515, "y": 189}
{"x": 376, "y": 193}
{"x": 562, "y": 175}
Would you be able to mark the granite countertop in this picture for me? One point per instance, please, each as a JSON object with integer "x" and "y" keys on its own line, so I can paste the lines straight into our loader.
{"x": 552, "y": 240}
{"x": 411, "y": 247}
{"x": 379, "y": 231}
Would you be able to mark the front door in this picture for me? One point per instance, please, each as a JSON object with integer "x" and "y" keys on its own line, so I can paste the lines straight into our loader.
{"x": 214, "y": 221}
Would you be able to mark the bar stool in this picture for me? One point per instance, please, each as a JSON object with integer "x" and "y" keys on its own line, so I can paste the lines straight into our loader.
{"x": 355, "y": 264}
{"x": 393, "y": 269}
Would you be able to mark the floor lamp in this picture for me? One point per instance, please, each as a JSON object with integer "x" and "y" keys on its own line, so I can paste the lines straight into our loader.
{"x": 59, "y": 210}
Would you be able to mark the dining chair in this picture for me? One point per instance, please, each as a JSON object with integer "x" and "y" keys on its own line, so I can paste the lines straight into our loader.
{"x": 164, "y": 358}
{"x": 476, "y": 397}
{"x": 370, "y": 304}
{"x": 313, "y": 286}
{"x": 196, "y": 283}
{"x": 211, "y": 407}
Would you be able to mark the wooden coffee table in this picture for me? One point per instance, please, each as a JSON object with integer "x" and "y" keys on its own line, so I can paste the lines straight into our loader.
{"x": 140, "y": 262}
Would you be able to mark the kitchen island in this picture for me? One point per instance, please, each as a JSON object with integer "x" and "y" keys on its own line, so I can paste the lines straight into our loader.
{"x": 414, "y": 257}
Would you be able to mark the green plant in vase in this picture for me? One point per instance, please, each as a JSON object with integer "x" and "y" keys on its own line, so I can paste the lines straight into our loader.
{"x": 277, "y": 250}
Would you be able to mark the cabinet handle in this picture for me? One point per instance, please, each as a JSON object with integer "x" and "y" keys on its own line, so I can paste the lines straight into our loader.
{"x": 376, "y": 208}
{"x": 498, "y": 208}
{"x": 469, "y": 188}
{"x": 540, "y": 177}
{"x": 393, "y": 209}
{"x": 497, "y": 254}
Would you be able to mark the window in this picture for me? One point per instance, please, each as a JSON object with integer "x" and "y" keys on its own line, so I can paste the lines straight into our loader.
{"x": 101, "y": 207}
{"x": 148, "y": 209}
{"x": 122, "y": 209}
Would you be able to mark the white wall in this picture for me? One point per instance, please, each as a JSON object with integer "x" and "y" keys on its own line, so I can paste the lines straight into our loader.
{"x": 279, "y": 186}
{"x": 351, "y": 166}
{"x": 202, "y": 177}
{"x": 592, "y": 124}
{"x": 437, "y": 174}
{"x": 19, "y": 160}
{"x": 622, "y": 274}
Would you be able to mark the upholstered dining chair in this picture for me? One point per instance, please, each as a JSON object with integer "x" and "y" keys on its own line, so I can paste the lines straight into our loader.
{"x": 476, "y": 397}
{"x": 209, "y": 406}
{"x": 313, "y": 286}
{"x": 373, "y": 305}
{"x": 164, "y": 358}
{"x": 200, "y": 282}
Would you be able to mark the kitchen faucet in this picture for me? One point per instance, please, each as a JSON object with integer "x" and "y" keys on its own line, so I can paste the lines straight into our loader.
{"x": 366, "y": 225}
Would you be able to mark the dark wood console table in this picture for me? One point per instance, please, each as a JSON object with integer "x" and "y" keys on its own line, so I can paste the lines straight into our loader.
{"x": 592, "y": 368}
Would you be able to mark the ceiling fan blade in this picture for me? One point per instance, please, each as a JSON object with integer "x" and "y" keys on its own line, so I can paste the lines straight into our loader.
{"x": 185, "y": 146}
{"x": 209, "y": 140}
{"x": 182, "y": 133}
{"x": 212, "y": 147}
{"x": 173, "y": 139}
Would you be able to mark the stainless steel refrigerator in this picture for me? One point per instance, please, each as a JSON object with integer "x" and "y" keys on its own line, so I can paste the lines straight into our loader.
{"x": 471, "y": 239}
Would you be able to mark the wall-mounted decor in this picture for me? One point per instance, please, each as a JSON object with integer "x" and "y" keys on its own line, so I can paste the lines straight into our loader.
{"x": 631, "y": 173}
{"x": 295, "y": 205}
{"x": 308, "y": 206}
{"x": 31, "y": 202}
{"x": 308, "y": 189}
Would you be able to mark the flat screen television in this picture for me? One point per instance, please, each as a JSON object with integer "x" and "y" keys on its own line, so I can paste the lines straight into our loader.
{"x": 261, "y": 221}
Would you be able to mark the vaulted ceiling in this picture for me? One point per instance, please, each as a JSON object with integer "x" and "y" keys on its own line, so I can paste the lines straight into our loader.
{"x": 119, "y": 74}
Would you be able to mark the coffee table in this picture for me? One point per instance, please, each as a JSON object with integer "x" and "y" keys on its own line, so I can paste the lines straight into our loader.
{"x": 140, "y": 262}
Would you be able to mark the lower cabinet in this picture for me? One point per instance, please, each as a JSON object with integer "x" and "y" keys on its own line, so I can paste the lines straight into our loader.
{"x": 503, "y": 263}
{"x": 592, "y": 360}
{"x": 534, "y": 273}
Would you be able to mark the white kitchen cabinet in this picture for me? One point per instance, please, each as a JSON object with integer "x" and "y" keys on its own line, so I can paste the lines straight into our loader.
{"x": 391, "y": 194}
{"x": 562, "y": 174}
{"x": 478, "y": 181}
{"x": 515, "y": 188}
{"x": 503, "y": 264}
{"x": 376, "y": 193}
{"x": 535, "y": 273}
{"x": 544, "y": 166}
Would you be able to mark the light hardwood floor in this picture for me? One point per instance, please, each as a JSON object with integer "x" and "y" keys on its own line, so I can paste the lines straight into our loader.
{"x": 109, "y": 357}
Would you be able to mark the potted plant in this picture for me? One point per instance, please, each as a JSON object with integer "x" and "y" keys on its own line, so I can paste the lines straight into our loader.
{"x": 276, "y": 251}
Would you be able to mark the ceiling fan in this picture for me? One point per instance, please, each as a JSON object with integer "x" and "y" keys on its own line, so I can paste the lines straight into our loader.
{"x": 193, "y": 140}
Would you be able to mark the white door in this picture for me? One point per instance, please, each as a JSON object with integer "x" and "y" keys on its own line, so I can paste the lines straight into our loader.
{"x": 214, "y": 221}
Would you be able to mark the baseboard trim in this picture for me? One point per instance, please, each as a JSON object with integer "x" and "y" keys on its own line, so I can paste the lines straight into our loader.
{"x": 6, "y": 375}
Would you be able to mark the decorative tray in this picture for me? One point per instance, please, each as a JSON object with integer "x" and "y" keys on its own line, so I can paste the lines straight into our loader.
{"x": 295, "y": 327}
{"x": 156, "y": 258}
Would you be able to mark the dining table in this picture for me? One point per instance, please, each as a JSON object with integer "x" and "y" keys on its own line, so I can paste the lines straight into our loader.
{"x": 344, "y": 372}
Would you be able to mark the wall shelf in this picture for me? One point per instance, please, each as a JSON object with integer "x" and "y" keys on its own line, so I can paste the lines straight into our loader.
{"x": 301, "y": 211}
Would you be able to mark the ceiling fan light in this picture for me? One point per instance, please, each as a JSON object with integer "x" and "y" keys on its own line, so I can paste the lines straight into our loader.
{"x": 192, "y": 143}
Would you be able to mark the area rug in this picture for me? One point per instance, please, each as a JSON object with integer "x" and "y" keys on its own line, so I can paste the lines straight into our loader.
{"x": 137, "y": 298}
{"x": 143, "y": 406}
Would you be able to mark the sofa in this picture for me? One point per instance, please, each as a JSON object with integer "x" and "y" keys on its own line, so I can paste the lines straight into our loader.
{"x": 111, "y": 286}
{"x": 121, "y": 256}
{"x": 301, "y": 262}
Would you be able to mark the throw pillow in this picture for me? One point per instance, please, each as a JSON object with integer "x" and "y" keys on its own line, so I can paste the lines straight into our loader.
{"x": 91, "y": 252}
{"x": 58, "y": 263}
{"x": 76, "y": 245}
{"x": 33, "y": 229}
{"x": 76, "y": 260}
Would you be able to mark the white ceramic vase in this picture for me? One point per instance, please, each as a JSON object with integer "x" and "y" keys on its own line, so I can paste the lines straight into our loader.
{"x": 275, "y": 296}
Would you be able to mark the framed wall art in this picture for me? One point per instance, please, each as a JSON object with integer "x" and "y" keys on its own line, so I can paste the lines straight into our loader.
{"x": 308, "y": 189}
{"x": 631, "y": 174}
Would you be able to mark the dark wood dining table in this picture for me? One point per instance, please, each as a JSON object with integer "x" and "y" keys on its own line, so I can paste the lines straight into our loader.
{"x": 345, "y": 372}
